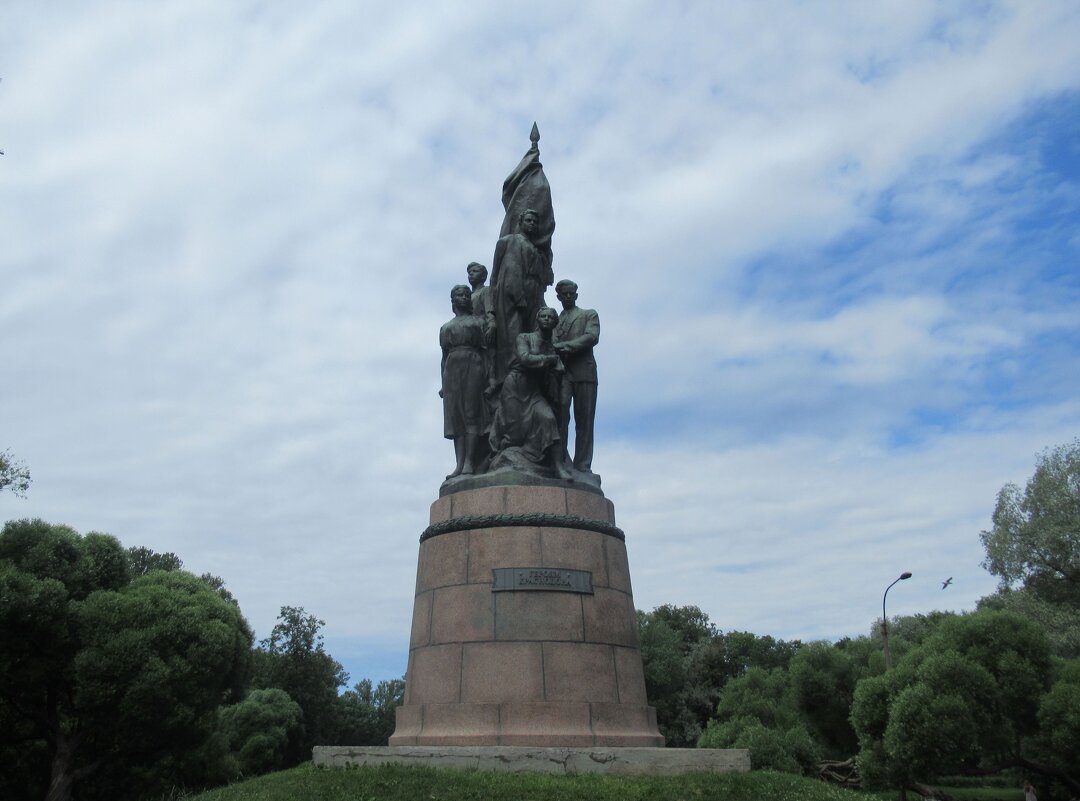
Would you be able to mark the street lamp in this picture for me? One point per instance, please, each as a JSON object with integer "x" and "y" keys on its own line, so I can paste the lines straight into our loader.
{"x": 885, "y": 620}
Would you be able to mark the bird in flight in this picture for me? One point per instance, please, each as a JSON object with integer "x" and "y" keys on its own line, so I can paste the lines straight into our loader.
{"x": 946, "y": 582}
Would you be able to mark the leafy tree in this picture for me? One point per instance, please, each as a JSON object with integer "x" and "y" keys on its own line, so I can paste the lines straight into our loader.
{"x": 1035, "y": 538}
{"x": 258, "y": 731}
{"x": 676, "y": 642}
{"x": 943, "y": 717}
{"x": 791, "y": 750}
{"x": 687, "y": 661}
{"x": 905, "y": 632}
{"x": 742, "y": 650}
{"x": 692, "y": 625}
{"x": 758, "y": 711}
{"x": 143, "y": 560}
{"x": 366, "y": 713}
{"x": 294, "y": 659}
{"x": 913, "y": 630}
{"x": 1059, "y": 722}
{"x": 765, "y": 695}
{"x": 965, "y": 700}
{"x": 1060, "y": 622}
{"x": 663, "y": 660}
{"x": 14, "y": 475}
{"x": 722, "y": 658}
{"x": 103, "y": 674}
{"x": 823, "y": 680}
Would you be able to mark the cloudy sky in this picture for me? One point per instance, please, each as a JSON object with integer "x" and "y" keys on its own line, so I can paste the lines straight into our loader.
{"x": 834, "y": 248}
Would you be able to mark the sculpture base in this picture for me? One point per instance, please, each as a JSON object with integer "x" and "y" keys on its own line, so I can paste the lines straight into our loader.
{"x": 524, "y": 629}
{"x": 532, "y": 723}
{"x": 512, "y": 477}
{"x": 611, "y": 761}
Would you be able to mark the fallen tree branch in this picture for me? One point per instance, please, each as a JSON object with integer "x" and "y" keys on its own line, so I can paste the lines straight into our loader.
{"x": 842, "y": 772}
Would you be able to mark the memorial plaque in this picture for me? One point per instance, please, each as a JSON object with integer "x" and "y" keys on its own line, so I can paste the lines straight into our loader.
{"x": 548, "y": 579}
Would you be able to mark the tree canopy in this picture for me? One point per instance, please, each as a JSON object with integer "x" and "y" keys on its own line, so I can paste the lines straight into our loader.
{"x": 258, "y": 731}
{"x": 968, "y": 699}
{"x": 367, "y": 712}
{"x": 1035, "y": 537}
{"x": 100, "y": 669}
{"x": 14, "y": 475}
{"x": 687, "y": 662}
{"x": 294, "y": 659}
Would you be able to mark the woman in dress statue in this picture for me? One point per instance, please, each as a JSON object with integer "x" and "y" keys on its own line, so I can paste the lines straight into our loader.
{"x": 525, "y": 420}
{"x": 464, "y": 378}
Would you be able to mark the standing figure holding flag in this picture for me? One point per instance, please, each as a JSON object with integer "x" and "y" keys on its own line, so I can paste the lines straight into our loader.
{"x": 521, "y": 267}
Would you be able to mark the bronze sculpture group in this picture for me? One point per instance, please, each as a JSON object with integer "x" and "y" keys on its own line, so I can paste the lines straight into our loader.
{"x": 512, "y": 367}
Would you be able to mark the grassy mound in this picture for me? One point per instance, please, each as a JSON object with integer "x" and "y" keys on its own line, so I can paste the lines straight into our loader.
{"x": 396, "y": 783}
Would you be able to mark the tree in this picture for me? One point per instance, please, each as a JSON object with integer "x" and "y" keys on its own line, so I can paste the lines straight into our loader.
{"x": 1059, "y": 721}
{"x": 258, "y": 732}
{"x": 293, "y": 659}
{"x": 966, "y": 700}
{"x": 366, "y": 713}
{"x": 823, "y": 681}
{"x": 790, "y": 750}
{"x": 742, "y": 650}
{"x": 911, "y": 630}
{"x": 690, "y": 622}
{"x": 104, "y": 674}
{"x": 1059, "y": 622}
{"x": 663, "y": 660}
{"x": 1035, "y": 538}
{"x": 758, "y": 711}
{"x": 791, "y": 708}
{"x": 675, "y": 645}
{"x": 687, "y": 661}
{"x": 143, "y": 560}
{"x": 14, "y": 475}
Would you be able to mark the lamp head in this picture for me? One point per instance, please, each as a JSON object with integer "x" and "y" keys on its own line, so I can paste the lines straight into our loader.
{"x": 905, "y": 576}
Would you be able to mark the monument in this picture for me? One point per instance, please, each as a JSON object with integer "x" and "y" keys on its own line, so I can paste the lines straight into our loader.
{"x": 524, "y": 652}
{"x": 524, "y": 628}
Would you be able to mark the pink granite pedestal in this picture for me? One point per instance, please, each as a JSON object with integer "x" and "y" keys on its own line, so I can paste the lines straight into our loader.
{"x": 523, "y": 668}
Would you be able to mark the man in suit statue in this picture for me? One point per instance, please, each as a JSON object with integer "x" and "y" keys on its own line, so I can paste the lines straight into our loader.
{"x": 577, "y": 331}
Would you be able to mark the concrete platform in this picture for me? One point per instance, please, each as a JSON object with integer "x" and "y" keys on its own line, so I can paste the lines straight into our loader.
{"x": 524, "y": 759}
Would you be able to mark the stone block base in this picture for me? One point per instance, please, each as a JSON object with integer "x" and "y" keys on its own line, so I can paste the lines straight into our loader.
{"x": 497, "y": 665}
{"x": 613, "y": 761}
{"x": 531, "y": 723}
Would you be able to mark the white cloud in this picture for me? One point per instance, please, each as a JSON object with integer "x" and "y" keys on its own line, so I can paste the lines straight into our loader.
{"x": 229, "y": 235}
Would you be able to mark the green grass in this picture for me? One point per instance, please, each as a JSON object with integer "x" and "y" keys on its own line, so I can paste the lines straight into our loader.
{"x": 396, "y": 783}
{"x": 966, "y": 793}
{"x": 985, "y": 793}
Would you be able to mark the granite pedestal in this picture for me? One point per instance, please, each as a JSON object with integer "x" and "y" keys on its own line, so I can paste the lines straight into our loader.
{"x": 524, "y": 631}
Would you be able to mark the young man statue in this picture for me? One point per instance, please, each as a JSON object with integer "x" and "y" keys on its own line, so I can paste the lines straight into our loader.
{"x": 577, "y": 331}
{"x": 520, "y": 272}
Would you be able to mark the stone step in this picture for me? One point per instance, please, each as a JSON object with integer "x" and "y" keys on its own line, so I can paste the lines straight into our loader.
{"x": 518, "y": 759}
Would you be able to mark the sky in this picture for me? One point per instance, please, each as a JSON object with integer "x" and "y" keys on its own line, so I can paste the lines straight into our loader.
{"x": 834, "y": 248}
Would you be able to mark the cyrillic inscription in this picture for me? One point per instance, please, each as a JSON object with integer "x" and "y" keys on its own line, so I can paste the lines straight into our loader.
{"x": 542, "y": 578}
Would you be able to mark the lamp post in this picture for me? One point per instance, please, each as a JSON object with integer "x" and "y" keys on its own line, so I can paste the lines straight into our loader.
{"x": 885, "y": 620}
